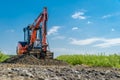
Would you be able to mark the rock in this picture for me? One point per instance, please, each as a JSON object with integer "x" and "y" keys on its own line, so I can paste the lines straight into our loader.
{"x": 102, "y": 73}
{"x": 108, "y": 71}
{"x": 117, "y": 75}
{"x": 41, "y": 79}
{"x": 77, "y": 72}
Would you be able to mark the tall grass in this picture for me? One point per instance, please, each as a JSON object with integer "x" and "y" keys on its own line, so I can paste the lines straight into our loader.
{"x": 92, "y": 60}
{"x": 3, "y": 57}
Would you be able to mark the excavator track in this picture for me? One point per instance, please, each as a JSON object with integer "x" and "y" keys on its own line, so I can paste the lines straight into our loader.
{"x": 37, "y": 53}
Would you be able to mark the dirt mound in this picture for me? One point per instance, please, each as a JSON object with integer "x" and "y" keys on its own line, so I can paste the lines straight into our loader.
{"x": 30, "y": 59}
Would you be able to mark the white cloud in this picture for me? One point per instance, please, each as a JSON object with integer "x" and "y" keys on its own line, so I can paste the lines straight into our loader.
{"x": 58, "y": 37}
{"x": 53, "y": 30}
{"x": 111, "y": 15}
{"x": 89, "y": 22}
{"x": 103, "y": 42}
{"x": 83, "y": 42}
{"x": 75, "y": 28}
{"x": 109, "y": 43}
{"x": 112, "y": 29}
{"x": 107, "y": 16}
{"x": 78, "y": 15}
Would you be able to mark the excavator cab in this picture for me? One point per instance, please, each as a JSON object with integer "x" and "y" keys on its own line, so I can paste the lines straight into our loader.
{"x": 27, "y": 37}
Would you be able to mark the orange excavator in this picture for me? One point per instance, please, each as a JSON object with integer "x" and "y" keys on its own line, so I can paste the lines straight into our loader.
{"x": 35, "y": 38}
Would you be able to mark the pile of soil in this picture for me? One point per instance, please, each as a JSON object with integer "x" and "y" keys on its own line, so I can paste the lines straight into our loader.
{"x": 30, "y": 59}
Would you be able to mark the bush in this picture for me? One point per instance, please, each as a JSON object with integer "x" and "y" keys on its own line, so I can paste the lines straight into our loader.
{"x": 92, "y": 60}
{"x": 3, "y": 57}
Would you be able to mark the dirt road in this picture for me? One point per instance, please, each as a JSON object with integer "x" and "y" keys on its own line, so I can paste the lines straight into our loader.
{"x": 37, "y": 72}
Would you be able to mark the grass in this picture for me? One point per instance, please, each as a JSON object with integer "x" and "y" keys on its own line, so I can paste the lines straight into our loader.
{"x": 100, "y": 60}
{"x": 3, "y": 57}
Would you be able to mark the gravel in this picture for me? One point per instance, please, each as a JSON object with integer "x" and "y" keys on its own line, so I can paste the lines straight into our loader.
{"x": 56, "y": 72}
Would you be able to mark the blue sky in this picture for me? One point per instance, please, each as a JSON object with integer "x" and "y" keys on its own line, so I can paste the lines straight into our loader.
{"x": 74, "y": 26}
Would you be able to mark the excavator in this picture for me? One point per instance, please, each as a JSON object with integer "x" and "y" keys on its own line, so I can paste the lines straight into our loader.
{"x": 35, "y": 38}
{"x": 35, "y": 48}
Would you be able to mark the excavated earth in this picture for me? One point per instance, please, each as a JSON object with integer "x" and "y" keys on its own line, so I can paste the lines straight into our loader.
{"x": 30, "y": 59}
{"x": 29, "y": 68}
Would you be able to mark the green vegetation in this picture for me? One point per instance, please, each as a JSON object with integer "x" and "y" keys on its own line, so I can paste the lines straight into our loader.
{"x": 3, "y": 57}
{"x": 93, "y": 60}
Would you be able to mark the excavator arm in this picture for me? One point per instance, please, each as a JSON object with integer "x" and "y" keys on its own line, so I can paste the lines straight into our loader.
{"x": 41, "y": 19}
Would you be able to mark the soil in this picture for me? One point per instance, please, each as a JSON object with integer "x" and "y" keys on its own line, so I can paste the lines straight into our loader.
{"x": 30, "y": 68}
{"x": 30, "y": 59}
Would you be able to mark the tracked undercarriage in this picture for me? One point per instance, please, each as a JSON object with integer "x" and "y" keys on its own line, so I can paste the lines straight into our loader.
{"x": 39, "y": 54}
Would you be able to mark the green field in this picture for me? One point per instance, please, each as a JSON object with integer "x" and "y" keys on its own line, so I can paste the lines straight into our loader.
{"x": 92, "y": 60}
{"x": 3, "y": 57}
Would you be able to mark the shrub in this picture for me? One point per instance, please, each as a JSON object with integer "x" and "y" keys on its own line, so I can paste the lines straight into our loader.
{"x": 92, "y": 60}
{"x": 3, "y": 57}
